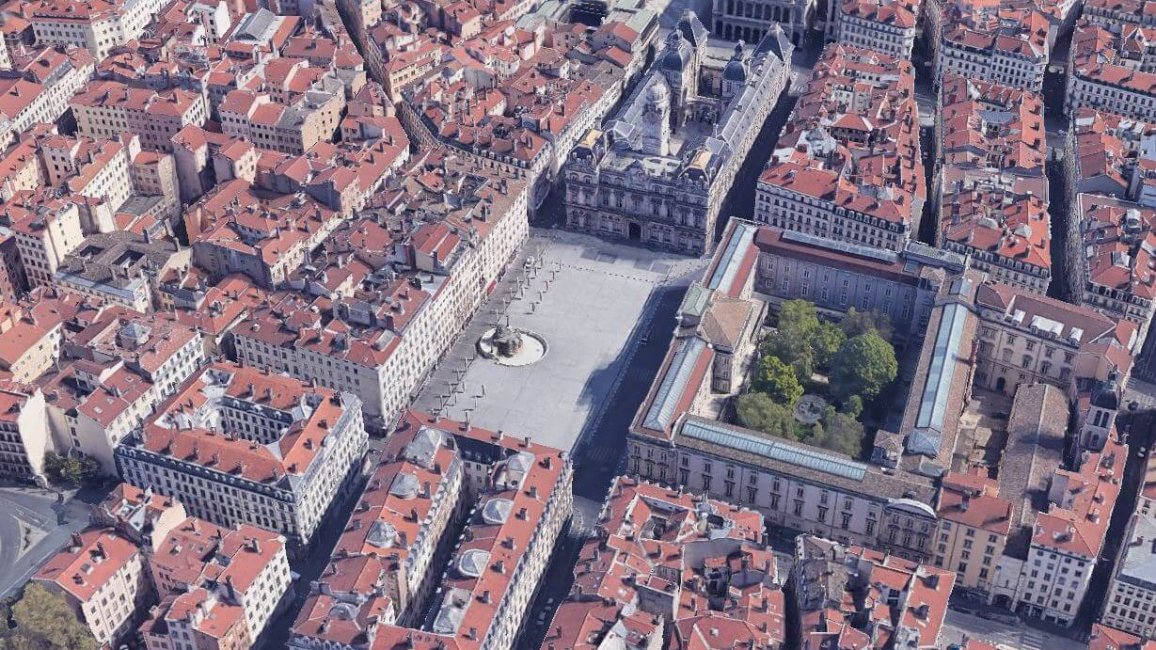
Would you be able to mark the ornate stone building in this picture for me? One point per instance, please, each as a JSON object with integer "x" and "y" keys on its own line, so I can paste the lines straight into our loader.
{"x": 750, "y": 20}
{"x": 658, "y": 173}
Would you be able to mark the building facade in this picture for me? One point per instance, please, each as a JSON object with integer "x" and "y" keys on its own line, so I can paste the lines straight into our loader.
{"x": 252, "y": 448}
{"x": 659, "y": 172}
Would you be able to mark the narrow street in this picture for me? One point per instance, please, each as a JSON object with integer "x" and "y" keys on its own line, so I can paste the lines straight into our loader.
{"x": 740, "y": 200}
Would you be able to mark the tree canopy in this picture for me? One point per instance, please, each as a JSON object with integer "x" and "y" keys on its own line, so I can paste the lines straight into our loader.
{"x": 825, "y": 343}
{"x": 777, "y": 380}
{"x": 840, "y": 432}
{"x": 74, "y": 470}
{"x": 801, "y": 340}
{"x": 44, "y": 621}
{"x": 864, "y": 366}
{"x": 857, "y": 322}
{"x": 798, "y": 319}
{"x": 758, "y": 411}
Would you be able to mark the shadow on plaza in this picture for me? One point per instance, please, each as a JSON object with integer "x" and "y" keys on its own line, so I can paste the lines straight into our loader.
{"x": 615, "y": 392}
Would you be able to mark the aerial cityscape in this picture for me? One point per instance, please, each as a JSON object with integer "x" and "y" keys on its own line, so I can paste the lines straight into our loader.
{"x": 577, "y": 324}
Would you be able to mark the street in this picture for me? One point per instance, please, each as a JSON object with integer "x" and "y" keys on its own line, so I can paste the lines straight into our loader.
{"x": 959, "y": 625}
{"x": 30, "y": 530}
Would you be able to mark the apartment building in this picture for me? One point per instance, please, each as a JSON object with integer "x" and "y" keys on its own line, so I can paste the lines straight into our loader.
{"x": 343, "y": 177}
{"x": 1004, "y": 234}
{"x": 141, "y": 515}
{"x": 236, "y": 445}
{"x": 382, "y": 335}
{"x": 388, "y": 557}
{"x": 110, "y": 378}
{"x": 20, "y": 168}
{"x": 46, "y": 80}
{"x": 521, "y": 496}
{"x": 32, "y": 331}
{"x": 889, "y": 26}
{"x": 97, "y": 26}
{"x": 837, "y": 174}
{"x": 674, "y": 204}
{"x": 574, "y": 85}
{"x": 24, "y": 435}
{"x": 1114, "y": 155}
{"x": 238, "y": 229}
{"x": 1129, "y": 603}
{"x": 101, "y": 576}
{"x": 278, "y": 123}
{"x": 403, "y": 516}
{"x": 1104, "y": 77}
{"x": 1115, "y": 273}
{"x": 107, "y": 172}
{"x": 1049, "y": 559}
{"x": 1009, "y": 46}
{"x": 105, "y": 109}
{"x": 1114, "y": 12}
{"x": 122, "y": 268}
{"x": 95, "y": 169}
{"x": 208, "y": 577}
{"x": 974, "y": 526}
{"x": 888, "y": 600}
{"x": 993, "y": 194}
{"x": 159, "y": 348}
{"x": 1107, "y": 638}
{"x": 728, "y": 557}
{"x": 47, "y": 229}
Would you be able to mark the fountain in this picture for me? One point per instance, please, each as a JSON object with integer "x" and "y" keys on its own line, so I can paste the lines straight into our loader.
{"x": 510, "y": 346}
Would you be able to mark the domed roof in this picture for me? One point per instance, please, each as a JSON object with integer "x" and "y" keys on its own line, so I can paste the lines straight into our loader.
{"x": 674, "y": 59}
{"x": 735, "y": 71}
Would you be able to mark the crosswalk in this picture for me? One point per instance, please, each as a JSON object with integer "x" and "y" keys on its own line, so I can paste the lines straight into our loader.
{"x": 602, "y": 455}
{"x": 1033, "y": 639}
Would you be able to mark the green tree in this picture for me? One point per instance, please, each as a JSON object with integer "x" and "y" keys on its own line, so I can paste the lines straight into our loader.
{"x": 798, "y": 320}
{"x": 853, "y": 406}
{"x": 73, "y": 470}
{"x": 778, "y": 380}
{"x": 856, "y": 323}
{"x": 825, "y": 343}
{"x": 44, "y": 621}
{"x": 758, "y": 411}
{"x": 864, "y": 366}
{"x": 840, "y": 432}
{"x": 791, "y": 352}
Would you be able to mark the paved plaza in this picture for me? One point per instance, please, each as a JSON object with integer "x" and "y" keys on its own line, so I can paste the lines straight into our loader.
{"x": 593, "y": 302}
{"x": 30, "y": 530}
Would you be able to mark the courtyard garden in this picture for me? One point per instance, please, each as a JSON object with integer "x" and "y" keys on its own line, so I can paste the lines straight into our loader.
{"x": 813, "y": 379}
